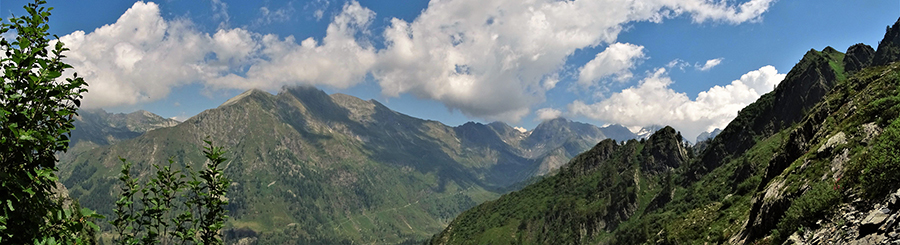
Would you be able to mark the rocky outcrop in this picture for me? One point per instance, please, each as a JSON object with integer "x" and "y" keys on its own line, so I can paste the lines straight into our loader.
{"x": 768, "y": 207}
{"x": 665, "y": 151}
{"x": 889, "y": 47}
{"x": 858, "y": 56}
{"x": 804, "y": 87}
{"x": 879, "y": 224}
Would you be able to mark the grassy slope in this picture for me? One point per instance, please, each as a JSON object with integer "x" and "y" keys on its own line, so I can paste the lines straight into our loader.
{"x": 292, "y": 185}
{"x": 715, "y": 207}
{"x": 318, "y": 168}
{"x": 602, "y": 183}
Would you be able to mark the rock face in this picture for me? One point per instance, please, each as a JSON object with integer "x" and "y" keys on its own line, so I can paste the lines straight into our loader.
{"x": 803, "y": 87}
{"x": 768, "y": 207}
{"x": 666, "y": 151}
{"x": 889, "y": 47}
{"x": 858, "y": 56}
{"x": 878, "y": 225}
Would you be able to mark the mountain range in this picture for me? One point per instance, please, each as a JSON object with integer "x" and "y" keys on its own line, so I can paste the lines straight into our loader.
{"x": 812, "y": 162}
{"x": 308, "y": 167}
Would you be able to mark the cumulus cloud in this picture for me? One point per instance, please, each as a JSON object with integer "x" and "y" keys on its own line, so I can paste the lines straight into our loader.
{"x": 340, "y": 61}
{"x": 653, "y": 102}
{"x": 142, "y": 56}
{"x": 490, "y": 58}
{"x": 544, "y": 114}
{"x": 709, "y": 64}
{"x": 617, "y": 60}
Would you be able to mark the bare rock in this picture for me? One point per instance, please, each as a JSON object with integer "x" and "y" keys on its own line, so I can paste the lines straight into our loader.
{"x": 873, "y": 221}
{"x": 870, "y": 131}
{"x": 836, "y": 140}
{"x": 870, "y": 239}
{"x": 858, "y": 56}
{"x": 838, "y": 163}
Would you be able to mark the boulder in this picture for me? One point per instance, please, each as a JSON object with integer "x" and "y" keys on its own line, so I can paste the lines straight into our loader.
{"x": 873, "y": 221}
{"x": 836, "y": 140}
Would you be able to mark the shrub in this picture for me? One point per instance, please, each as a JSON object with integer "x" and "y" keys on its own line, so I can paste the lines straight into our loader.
{"x": 881, "y": 165}
{"x": 809, "y": 207}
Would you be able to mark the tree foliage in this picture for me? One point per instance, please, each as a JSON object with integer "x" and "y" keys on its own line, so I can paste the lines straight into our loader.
{"x": 36, "y": 111}
{"x": 181, "y": 206}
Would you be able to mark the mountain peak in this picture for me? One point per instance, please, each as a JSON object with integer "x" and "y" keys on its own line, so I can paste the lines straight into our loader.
{"x": 666, "y": 150}
{"x": 103, "y": 128}
{"x": 858, "y": 56}
{"x": 245, "y": 94}
{"x": 889, "y": 47}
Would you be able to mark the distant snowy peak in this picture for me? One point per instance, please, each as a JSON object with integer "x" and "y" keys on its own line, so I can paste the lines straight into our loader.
{"x": 645, "y": 132}
{"x": 708, "y": 135}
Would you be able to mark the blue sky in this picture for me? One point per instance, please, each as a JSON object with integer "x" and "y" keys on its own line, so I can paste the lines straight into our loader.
{"x": 687, "y": 63}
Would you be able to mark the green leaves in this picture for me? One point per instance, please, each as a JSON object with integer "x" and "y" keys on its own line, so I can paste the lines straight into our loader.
{"x": 173, "y": 207}
{"x": 35, "y": 109}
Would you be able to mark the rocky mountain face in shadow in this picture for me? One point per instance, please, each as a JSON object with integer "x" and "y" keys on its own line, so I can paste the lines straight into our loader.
{"x": 889, "y": 47}
{"x": 858, "y": 56}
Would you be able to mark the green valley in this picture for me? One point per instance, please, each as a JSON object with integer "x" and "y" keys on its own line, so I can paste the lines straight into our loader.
{"x": 315, "y": 168}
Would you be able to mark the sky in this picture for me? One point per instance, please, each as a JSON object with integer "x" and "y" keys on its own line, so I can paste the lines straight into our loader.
{"x": 691, "y": 64}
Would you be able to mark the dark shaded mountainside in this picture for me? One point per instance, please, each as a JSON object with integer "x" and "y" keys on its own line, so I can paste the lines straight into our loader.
{"x": 813, "y": 161}
{"x": 308, "y": 167}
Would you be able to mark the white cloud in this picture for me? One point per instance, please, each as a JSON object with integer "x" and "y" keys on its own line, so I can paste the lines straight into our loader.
{"x": 652, "y": 102}
{"x": 489, "y": 58}
{"x": 492, "y": 59}
{"x": 221, "y": 12}
{"x": 709, "y": 64}
{"x": 544, "y": 114}
{"x": 141, "y": 57}
{"x": 551, "y": 81}
{"x": 339, "y": 61}
{"x": 677, "y": 63}
{"x": 269, "y": 16}
{"x": 617, "y": 60}
{"x": 318, "y": 8}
